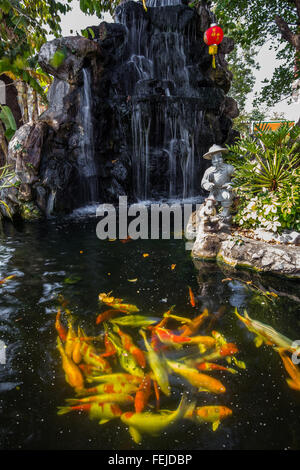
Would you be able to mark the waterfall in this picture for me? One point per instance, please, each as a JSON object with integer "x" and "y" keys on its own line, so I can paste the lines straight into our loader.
{"x": 160, "y": 65}
{"x": 165, "y": 88}
{"x": 86, "y": 161}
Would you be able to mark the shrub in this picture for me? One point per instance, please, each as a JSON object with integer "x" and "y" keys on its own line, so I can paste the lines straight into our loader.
{"x": 267, "y": 179}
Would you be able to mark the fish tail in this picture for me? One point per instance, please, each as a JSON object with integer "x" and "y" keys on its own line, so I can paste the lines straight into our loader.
{"x": 73, "y": 401}
{"x": 293, "y": 384}
{"x": 62, "y": 410}
{"x": 240, "y": 317}
{"x": 183, "y": 407}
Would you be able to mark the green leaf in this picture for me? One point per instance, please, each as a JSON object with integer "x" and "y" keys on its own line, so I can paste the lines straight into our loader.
{"x": 58, "y": 58}
{"x": 8, "y": 120}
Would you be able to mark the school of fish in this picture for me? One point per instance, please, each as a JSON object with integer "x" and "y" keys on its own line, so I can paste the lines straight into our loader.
{"x": 126, "y": 370}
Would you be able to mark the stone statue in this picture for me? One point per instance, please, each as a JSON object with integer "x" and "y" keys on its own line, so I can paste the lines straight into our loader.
{"x": 217, "y": 180}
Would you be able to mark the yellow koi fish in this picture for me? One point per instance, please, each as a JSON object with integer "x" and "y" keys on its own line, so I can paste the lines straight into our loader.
{"x": 116, "y": 378}
{"x": 120, "y": 398}
{"x": 91, "y": 357}
{"x": 117, "y": 303}
{"x": 203, "y": 382}
{"x": 70, "y": 340}
{"x": 209, "y": 414}
{"x": 126, "y": 359}
{"x": 103, "y": 411}
{"x": 152, "y": 423}
{"x": 158, "y": 366}
{"x": 266, "y": 334}
{"x": 73, "y": 374}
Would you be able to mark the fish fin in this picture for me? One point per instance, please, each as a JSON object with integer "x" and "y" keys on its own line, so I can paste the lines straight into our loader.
{"x": 239, "y": 364}
{"x": 215, "y": 425}
{"x": 136, "y": 436}
{"x": 292, "y": 384}
{"x": 233, "y": 371}
{"x": 72, "y": 401}
{"x": 201, "y": 389}
{"x": 258, "y": 341}
{"x": 103, "y": 421}
{"x": 202, "y": 348}
{"x": 62, "y": 410}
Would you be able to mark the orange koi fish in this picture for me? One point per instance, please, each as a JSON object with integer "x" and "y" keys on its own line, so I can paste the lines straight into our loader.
{"x": 292, "y": 370}
{"x": 102, "y": 411}
{"x": 170, "y": 339}
{"x": 129, "y": 346}
{"x": 192, "y": 298}
{"x": 76, "y": 353}
{"x": 107, "y": 315}
{"x": 209, "y": 414}
{"x": 117, "y": 387}
{"x": 201, "y": 381}
{"x": 110, "y": 350}
{"x": 62, "y": 332}
{"x": 228, "y": 349}
{"x": 72, "y": 372}
{"x": 90, "y": 356}
{"x": 195, "y": 324}
{"x": 142, "y": 395}
{"x": 212, "y": 366}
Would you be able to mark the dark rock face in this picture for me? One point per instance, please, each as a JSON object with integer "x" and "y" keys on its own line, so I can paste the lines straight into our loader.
{"x": 132, "y": 110}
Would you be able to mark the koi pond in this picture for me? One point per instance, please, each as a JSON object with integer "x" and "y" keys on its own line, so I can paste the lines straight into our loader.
{"x": 61, "y": 266}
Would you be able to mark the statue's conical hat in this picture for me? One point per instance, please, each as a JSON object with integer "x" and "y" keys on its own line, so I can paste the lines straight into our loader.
{"x": 214, "y": 149}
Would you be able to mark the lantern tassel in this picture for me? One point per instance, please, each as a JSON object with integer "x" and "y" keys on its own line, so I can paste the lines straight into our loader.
{"x": 213, "y": 61}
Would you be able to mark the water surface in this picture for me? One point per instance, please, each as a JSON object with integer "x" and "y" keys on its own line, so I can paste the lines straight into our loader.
{"x": 32, "y": 383}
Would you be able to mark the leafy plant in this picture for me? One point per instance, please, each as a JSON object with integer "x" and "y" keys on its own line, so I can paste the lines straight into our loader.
{"x": 8, "y": 120}
{"x": 267, "y": 178}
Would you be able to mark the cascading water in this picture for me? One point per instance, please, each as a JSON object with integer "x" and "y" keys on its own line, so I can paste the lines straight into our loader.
{"x": 86, "y": 160}
{"x": 167, "y": 117}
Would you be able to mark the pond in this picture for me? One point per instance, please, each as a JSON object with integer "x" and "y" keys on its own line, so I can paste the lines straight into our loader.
{"x": 65, "y": 257}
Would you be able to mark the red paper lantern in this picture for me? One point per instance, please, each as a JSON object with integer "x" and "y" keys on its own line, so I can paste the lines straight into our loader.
{"x": 212, "y": 37}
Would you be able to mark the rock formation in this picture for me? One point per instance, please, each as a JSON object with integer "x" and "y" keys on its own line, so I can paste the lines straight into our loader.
{"x": 131, "y": 111}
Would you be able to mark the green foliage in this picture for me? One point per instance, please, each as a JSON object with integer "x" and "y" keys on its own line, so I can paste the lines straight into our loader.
{"x": 58, "y": 58}
{"x": 6, "y": 116}
{"x": 241, "y": 64}
{"x": 267, "y": 178}
{"x": 251, "y": 25}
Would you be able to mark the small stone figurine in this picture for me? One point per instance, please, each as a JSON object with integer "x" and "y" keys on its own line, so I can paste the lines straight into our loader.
{"x": 217, "y": 180}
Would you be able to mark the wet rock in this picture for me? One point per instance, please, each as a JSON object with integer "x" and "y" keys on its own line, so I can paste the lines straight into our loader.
{"x": 239, "y": 251}
{"x": 64, "y": 58}
{"x": 154, "y": 107}
{"x": 230, "y": 107}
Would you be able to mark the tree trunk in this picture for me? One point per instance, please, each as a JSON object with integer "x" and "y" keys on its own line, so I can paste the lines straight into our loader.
{"x": 24, "y": 99}
{"x": 35, "y": 106}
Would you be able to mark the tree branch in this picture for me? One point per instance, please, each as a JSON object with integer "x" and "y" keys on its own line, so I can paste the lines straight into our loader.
{"x": 286, "y": 33}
